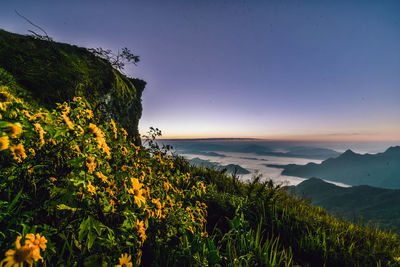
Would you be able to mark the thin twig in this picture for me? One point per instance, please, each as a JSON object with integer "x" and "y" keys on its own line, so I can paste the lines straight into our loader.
{"x": 33, "y": 24}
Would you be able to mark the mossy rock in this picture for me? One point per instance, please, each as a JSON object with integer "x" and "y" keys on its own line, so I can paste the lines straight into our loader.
{"x": 56, "y": 72}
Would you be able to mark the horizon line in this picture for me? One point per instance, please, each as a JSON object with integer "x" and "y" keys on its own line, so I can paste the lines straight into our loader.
{"x": 273, "y": 139}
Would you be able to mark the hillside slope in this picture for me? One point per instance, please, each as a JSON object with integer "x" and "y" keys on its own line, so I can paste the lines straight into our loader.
{"x": 366, "y": 203}
{"x": 51, "y": 72}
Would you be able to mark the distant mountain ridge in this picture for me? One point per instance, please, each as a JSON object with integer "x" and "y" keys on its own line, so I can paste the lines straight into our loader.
{"x": 231, "y": 168}
{"x": 371, "y": 204}
{"x": 380, "y": 170}
{"x": 200, "y": 146}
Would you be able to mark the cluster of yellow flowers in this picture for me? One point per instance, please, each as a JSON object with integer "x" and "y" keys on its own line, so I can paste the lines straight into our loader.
{"x": 114, "y": 129}
{"x": 41, "y": 132}
{"x": 12, "y": 131}
{"x": 64, "y": 115}
{"x": 29, "y": 252}
{"x": 99, "y": 136}
{"x": 137, "y": 192}
{"x": 5, "y": 99}
{"x": 122, "y": 178}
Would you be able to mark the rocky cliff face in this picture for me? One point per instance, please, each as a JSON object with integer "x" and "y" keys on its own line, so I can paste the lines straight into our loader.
{"x": 51, "y": 72}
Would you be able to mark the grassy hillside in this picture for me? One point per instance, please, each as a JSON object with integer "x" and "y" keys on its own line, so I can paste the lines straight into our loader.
{"x": 76, "y": 191}
{"x": 51, "y": 72}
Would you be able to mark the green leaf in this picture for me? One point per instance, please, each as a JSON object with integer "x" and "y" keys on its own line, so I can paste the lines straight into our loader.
{"x": 83, "y": 228}
{"x": 15, "y": 200}
{"x": 11, "y": 177}
{"x": 96, "y": 225}
{"x": 39, "y": 166}
{"x": 91, "y": 238}
{"x": 4, "y": 123}
{"x": 65, "y": 207}
{"x": 58, "y": 133}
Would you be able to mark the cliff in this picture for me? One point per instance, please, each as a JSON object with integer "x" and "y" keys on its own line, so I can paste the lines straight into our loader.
{"x": 50, "y": 72}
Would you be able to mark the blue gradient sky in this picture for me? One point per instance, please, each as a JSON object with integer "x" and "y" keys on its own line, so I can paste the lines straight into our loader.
{"x": 311, "y": 70}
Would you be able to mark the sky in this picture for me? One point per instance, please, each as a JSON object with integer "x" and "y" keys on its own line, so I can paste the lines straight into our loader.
{"x": 292, "y": 70}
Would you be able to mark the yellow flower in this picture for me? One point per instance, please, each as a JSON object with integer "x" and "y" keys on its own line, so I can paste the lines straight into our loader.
{"x": 135, "y": 147}
{"x": 30, "y": 170}
{"x": 125, "y": 133}
{"x": 32, "y": 151}
{"x": 30, "y": 252}
{"x": 112, "y": 203}
{"x": 141, "y": 230}
{"x": 80, "y": 193}
{"x": 52, "y": 141}
{"x": 67, "y": 120}
{"x": 39, "y": 128}
{"x": 5, "y": 97}
{"x": 124, "y": 150}
{"x": 190, "y": 228}
{"x": 102, "y": 177}
{"x": 53, "y": 179}
{"x": 4, "y": 142}
{"x": 18, "y": 152}
{"x": 81, "y": 131}
{"x": 114, "y": 129}
{"x": 38, "y": 115}
{"x": 13, "y": 129}
{"x": 36, "y": 243}
{"x": 204, "y": 234}
{"x": 124, "y": 261}
{"x": 99, "y": 135}
{"x": 26, "y": 113}
{"x": 137, "y": 192}
{"x": 139, "y": 257}
{"x": 158, "y": 206}
{"x": 91, "y": 188}
{"x": 203, "y": 187}
{"x": 19, "y": 256}
{"x": 166, "y": 186}
{"x": 91, "y": 165}
{"x": 76, "y": 148}
{"x": 89, "y": 113}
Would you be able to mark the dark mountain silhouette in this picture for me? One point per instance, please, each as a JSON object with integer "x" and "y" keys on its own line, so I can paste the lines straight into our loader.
{"x": 231, "y": 168}
{"x": 381, "y": 170}
{"x": 245, "y": 146}
{"x": 366, "y": 203}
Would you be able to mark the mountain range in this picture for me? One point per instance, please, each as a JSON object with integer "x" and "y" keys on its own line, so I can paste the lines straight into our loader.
{"x": 380, "y": 170}
{"x": 231, "y": 168}
{"x": 254, "y": 146}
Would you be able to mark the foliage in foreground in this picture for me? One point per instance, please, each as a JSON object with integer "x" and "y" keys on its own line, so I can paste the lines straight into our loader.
{"x": 91, "y": 192}
{"x": 79, "y": 192}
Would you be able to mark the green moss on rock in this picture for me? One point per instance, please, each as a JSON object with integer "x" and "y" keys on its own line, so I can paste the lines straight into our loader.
{"x": 55, "y": 72}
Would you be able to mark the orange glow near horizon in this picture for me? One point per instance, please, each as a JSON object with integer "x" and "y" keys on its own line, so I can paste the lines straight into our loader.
{"x": 303, "y": 138}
